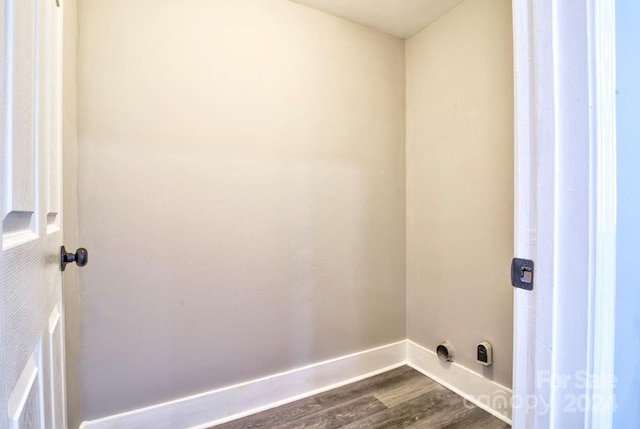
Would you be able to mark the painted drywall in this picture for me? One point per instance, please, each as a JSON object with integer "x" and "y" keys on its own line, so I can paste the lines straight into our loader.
{"x": 627, "y": 356}
{"x": 70, "y": 208}
{"x": 241, "y": 193}
{"x": 460, "y": 184}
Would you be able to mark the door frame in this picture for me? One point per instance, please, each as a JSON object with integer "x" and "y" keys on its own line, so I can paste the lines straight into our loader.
{"x": 565, "y": 212}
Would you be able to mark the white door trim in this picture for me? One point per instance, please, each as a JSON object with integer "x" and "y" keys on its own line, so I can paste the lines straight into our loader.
{"x": 565, "y": 212}
{"x": 524, "y": 206}
{"x": 603, "y": 292}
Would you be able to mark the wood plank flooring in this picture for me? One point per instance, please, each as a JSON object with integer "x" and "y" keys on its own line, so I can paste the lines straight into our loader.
{"x": 402, "y": 398}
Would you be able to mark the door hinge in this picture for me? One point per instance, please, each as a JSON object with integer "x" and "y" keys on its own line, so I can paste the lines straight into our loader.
{"x": 522, "y": 273}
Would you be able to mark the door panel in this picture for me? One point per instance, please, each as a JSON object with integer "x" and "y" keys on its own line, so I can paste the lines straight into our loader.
{"x": 50, "y": 85}
{"x": 54, "y": 376}
{"x": 19, "y": 222}
{"x": 25, "y": 402}
{"x": 31, "y": 312}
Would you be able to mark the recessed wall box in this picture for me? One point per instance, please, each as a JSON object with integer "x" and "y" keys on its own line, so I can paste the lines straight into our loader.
{"x": 484, "y": 353}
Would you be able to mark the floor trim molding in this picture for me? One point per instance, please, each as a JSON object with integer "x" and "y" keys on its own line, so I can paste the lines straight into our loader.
{"x": 473, "y": 387}
{"x": 233, "y": 402}
{"x": 240, "y": 400}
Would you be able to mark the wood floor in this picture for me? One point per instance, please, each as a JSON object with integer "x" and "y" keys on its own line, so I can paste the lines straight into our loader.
{"x": 402, "y": 398}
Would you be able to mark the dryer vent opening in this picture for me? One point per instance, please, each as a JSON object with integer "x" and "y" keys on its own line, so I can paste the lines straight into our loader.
{"x": 445, "y": 352}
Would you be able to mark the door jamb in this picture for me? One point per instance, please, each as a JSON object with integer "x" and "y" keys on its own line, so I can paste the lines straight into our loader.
{"x": 565, "y": 212}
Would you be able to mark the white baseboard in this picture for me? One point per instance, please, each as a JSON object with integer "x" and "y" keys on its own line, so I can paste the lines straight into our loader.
{"x": 240, "y": 400}
{"x": 229, "y": 403}
{"x": 478, "y": 390}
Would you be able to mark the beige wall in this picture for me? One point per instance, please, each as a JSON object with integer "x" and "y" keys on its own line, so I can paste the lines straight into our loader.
{"x": 460, "y": 183}
{"x": 70, "y": 207}
{"x": 241, "y": 193}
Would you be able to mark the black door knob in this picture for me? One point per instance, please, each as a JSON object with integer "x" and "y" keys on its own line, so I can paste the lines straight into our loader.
{"x": 81, "y": 257}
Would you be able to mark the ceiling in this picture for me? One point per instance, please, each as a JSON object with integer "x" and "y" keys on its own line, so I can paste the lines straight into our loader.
{"x": 401, "y": 18}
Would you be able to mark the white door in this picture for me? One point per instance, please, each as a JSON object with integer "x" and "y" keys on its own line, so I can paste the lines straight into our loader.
{"x": 31, "y": 331}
